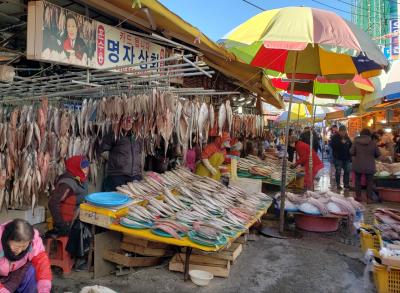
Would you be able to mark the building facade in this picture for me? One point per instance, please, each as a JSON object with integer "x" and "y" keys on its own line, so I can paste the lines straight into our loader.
{"x": 379, "y": 18}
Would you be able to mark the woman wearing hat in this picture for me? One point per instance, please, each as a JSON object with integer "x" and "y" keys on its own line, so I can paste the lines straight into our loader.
{"x": 69, "y": 193}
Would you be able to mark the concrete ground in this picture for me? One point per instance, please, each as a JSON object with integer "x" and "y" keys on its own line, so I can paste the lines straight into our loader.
{"x": 313, "y": 263}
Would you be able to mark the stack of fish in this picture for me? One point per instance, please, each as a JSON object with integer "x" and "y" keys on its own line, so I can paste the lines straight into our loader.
{"x": 195, "y": 199}
{"x": 388, "y": 223}
{"x": 270, "y": 167}
{"x": 387, "y": 169}
{"x": 321, "y": 203}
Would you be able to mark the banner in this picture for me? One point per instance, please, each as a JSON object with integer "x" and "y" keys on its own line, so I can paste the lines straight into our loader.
{"x": 394, "y": 28}
{"x": 58, "y": 35}
{"x": 118, "y": 48}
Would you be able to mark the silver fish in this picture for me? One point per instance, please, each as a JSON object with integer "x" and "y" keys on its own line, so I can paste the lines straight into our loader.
{"x": 203, "y": 116}
{"x": 221, "y": 118}
{"x": 229, "y": 114}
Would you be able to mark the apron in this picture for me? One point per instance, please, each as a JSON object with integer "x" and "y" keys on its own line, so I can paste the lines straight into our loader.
{"x": 216, "y": 160}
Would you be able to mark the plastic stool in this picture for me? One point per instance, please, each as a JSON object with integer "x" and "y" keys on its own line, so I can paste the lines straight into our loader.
{"x": 61, "y": 258}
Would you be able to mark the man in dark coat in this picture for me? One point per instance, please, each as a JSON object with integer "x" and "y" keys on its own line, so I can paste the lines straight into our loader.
{"x": 125, "y": 156}
{"x": 341, "y": 145}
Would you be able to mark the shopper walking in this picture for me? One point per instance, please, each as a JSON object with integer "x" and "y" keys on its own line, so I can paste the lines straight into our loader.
{"x": 341, "y": 145}
{"x": 364, "y": 151}
{"x": 291, "y": 145}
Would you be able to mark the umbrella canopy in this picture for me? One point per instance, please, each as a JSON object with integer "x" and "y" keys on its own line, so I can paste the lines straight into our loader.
{"x": 298, "y": 111}
{"x": 325, "y": 43}
{"x": 392, "y": 87}
{"x": 353, "y": 89}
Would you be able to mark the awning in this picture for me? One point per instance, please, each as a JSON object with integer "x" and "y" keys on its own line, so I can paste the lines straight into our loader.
{"x": 154, "y": 17}
{"x": 335, "y": 115}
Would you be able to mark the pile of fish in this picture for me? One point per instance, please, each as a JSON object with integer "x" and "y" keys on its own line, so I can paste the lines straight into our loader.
{"x": 321, "y": 203}
{"x": 387, "y": 169}
{"x": 35, "y": 141}
{"x": 388, "y": 223}
{"x": 270, "y": 167}
{"x": 209, "y": 209}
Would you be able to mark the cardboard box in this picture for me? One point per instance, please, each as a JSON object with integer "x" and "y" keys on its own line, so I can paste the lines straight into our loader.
{"x": 35, "y": 217}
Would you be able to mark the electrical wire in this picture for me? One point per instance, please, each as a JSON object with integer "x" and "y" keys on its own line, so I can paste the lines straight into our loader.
{"x": 254, "y": 5}
{"x": 338, "y": 9}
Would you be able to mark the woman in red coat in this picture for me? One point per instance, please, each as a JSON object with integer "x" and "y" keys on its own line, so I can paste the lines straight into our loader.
{"x": 303, "y": 153}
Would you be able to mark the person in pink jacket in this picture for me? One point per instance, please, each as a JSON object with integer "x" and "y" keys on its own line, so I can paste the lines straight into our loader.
{"x": 24, "y": 264}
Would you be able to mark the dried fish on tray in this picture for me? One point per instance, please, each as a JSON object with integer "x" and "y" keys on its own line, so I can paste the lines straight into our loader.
{"x": 195, "y": 202}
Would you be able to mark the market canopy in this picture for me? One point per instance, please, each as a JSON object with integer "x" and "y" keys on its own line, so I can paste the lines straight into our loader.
{"x": 150, "y": 16}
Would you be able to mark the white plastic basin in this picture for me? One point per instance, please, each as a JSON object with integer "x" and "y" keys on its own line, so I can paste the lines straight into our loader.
{"x": 200, "y": 278}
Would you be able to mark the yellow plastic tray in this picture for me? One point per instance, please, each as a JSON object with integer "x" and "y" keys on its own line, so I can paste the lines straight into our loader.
{"x": 148, "y": 235}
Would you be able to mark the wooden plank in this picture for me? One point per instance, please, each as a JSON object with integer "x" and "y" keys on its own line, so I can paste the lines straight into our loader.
{"x": 231, "y": 253}
{"x": 178, "y": 265}
{"x": 145, "y": 250}
{"x": 120, "y": 258}
{"x": 104, "y": 241}
{"x": 144, "y": 242}
{"x": 203, "y": 259}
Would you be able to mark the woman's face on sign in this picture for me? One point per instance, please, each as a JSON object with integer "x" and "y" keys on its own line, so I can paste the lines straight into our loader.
{"x": 72, "y": 28}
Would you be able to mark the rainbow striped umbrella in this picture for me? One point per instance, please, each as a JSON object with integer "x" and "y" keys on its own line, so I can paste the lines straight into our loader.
{"x": 306, "y": 41}
{"x": 354, "y": 89}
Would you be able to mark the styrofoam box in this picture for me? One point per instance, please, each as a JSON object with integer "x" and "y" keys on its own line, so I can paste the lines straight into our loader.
{"x": 37, "y": 217}
{"x": 248, "y": 184}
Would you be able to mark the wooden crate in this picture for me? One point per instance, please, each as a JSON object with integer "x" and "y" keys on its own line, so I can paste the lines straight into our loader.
{"x": 97, "y": 219}
{"x": 242, "y": 239}
{"x": 119, "y": 257}
{"x": 146, "y": 251}
{"x": 144, "y": 242}
{"x": 218, "y": 267}
{"x": 231, "y": 253}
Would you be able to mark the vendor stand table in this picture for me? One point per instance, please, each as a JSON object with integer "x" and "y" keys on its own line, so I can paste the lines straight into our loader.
{"x": 387, "y": 182}
{"x": 108, "y": 219}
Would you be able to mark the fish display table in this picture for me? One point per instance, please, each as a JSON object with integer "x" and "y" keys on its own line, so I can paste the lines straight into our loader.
{"x": 148, "y": 235}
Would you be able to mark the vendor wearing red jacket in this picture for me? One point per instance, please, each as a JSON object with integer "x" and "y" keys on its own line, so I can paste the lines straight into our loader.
{"x": 213, "y": 156}
{"x": 24, "y": 264}
{"x": 70, "y": 192}
{"x": 303, "y": 153}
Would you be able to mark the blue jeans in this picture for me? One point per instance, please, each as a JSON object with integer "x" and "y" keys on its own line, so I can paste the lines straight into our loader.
{"x": 339, "y": 165}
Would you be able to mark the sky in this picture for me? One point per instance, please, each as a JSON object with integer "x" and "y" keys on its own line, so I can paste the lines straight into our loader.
{"x": 215, "y": 18}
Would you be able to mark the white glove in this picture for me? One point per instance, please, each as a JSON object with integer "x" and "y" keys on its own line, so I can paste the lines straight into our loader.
{"x": 210, "y": 168}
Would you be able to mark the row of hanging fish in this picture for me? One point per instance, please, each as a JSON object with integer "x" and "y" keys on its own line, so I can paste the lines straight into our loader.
{"x": 35, "y": 140}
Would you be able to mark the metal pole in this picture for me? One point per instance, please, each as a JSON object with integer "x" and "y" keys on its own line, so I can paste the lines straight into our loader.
{"x": 310, "y": 159}
{"x": 284, "y": 161}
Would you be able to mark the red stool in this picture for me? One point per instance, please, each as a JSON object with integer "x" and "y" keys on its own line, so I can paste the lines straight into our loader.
{"x": 60, "y": 258}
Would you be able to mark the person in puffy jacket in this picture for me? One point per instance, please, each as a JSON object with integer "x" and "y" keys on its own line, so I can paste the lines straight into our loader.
{"x": 364, "y": 151}
{"x": 125, "y": 156}
{"x": 69, "y": 193}
{"x": 24, "y": 264}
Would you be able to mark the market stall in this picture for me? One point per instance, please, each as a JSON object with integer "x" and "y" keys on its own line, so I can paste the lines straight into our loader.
{"x": 181, "y": 209}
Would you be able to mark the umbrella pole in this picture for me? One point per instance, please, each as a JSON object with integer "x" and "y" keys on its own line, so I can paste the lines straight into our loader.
{"x": 284, "y": 161}
{"x": 310, "y": 161}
